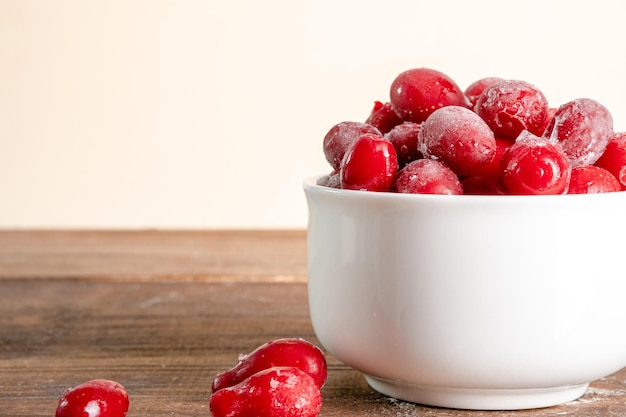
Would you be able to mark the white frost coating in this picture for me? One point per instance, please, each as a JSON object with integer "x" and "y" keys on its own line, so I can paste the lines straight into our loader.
{"x": 583, "y": 127}
{"x": 93, "y": 408}
{"x": 302, "y": 402}
{"x": 292, "y": 381}
{"x": 274, "y": 383}
{"x": 509, "y": 105}
{"x": 458, "y": 137}
{"x": 595, "y": 394}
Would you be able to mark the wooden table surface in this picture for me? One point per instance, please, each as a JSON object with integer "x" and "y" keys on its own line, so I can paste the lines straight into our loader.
{"x": 164, "y": 312}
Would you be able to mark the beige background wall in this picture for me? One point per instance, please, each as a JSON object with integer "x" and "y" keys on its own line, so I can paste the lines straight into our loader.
{"x": 209, "y": 114}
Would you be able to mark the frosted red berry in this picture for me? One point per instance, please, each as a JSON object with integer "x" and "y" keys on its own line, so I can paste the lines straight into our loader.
{"x": 340, "y": 137}
{"x": 417, "y": 92}
{"x": 272, "y": 392}
{"x": 383, "y": 117}
{"x": 535, "y": 166}
{"x": 494, "y": 168}
{"x": 459, "y": 138}
{"x": 404, "y": 139}
{"x": 512, "y": 106}
{"x": 427, "y": 176}
{"x": 294, "y": 352}
{"x": 95, "y": 398}
{"x": 475, "y": 89}
{"x": 478, "y": 185}
{"x": 371, "y": 164}
{"x": 332, "y": 180}
{"x": 590, "y": 179}
{"x": 614, "y": 158}
{"x": 583, "y": 127}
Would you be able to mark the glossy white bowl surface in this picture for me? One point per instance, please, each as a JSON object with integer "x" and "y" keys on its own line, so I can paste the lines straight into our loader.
{"x": 474, "y": 302}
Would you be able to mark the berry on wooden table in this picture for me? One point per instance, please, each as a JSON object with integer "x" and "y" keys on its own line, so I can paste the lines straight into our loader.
{"x": 273, "y": 392}
{"x": 293, "y": 352}
{"x": 95, "y": 398}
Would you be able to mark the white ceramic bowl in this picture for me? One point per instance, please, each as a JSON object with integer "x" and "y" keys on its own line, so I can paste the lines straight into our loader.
{"x": 473, "y": 302}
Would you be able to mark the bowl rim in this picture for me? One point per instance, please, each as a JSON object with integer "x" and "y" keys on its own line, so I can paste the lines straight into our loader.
{"x": 312, "y": 184}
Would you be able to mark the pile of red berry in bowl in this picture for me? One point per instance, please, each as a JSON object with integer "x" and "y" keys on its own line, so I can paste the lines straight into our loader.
{"x": 496, "y": 137}
{"x": 465, "y": 247}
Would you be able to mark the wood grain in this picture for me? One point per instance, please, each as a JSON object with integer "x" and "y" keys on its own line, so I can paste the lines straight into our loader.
{"x": 154, "y": 255}
{"x": 163, "y": 312}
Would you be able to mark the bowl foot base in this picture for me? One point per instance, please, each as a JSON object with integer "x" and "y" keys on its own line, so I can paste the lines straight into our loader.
{"x": 477, "y": 399}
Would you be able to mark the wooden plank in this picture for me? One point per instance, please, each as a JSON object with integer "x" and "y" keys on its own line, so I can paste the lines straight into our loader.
{"x": 166, "y": 341}
{"x": 164, "y": 312}
{"x": 163, "y": 341}
{"x": 278, "y": 255}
